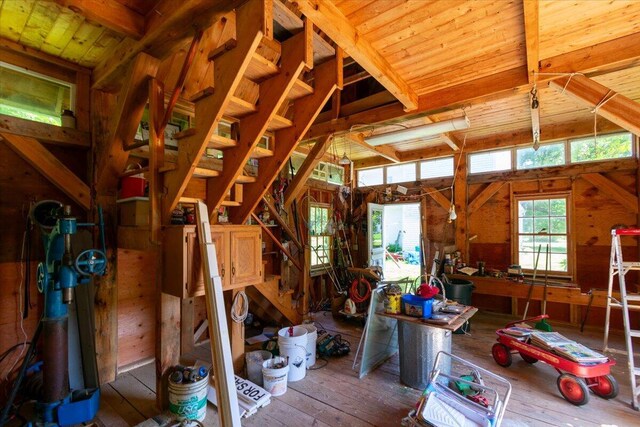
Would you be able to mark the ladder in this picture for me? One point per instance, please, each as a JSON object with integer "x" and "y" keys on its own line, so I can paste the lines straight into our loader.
{"x": 626, "y": 302}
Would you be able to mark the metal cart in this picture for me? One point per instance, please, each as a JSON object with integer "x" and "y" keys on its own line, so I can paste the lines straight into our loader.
{"x": 575, "y": 378}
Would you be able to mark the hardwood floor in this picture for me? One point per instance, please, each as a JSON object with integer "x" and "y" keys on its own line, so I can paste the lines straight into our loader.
{"x": 334, "y": 396}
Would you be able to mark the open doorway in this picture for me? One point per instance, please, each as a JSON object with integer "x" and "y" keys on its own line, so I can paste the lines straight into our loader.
{"x": 401, "y": 237}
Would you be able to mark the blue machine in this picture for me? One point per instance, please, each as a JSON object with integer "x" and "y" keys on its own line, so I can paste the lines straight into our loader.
{"x": 57, "y": 278}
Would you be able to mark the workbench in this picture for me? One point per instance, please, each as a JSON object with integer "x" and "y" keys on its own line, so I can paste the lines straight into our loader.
{"x": 420, "y": 341}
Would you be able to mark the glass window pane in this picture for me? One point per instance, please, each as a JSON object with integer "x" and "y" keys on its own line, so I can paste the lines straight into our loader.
{"x": 526, "y": 260}
{"x": 490, "y": 161}
{"x": 558, "y": 225}
{"x": 558, "y": 244}
{"x": 526, "y": 243}
{"x": 547, "y": 155}
{"x": 525, "y": 208}
{"x": 401, "y": 173}
{"x": 613, "y": 146}
{"x": 559, "y": 262}
{"x": 541, "y": 240}
{"x": 436, "y": 168}
{"x": 558, "y": 207}
{"x": 526, "y": 225}
{"x": 369, "y": 177}
{"x": 541, "y": 208}
{"x": 540, "y": 224}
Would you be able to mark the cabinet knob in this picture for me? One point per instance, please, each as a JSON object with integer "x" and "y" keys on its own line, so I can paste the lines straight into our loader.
{"x": 222, "y": 272}
{"x": 233, "y": 270}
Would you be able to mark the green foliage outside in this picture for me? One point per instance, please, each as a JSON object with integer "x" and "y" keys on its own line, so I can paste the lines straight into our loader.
{"x": 394, "y": 247}
{"x": 29, "y": 115}
{"x": 605, "y": 147}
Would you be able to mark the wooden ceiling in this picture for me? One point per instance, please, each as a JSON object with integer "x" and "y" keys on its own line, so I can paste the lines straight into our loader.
{"x": 446, "y": 54}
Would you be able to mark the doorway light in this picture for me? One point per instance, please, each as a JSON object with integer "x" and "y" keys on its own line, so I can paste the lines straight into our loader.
{"x": 419, "y": 131}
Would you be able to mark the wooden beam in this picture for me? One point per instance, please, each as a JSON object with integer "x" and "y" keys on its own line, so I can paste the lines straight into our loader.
{"x": 532, "y": 36}
{"x": 276, "y": 215}
{"x": 332, "y": 21}
{"x": 618, "y": 108}
{"x": 461, "y": 194}
{"x": 484, "y": 196}
{"x": 620, "y": 53}
{"x": 168, "y": 24}
{"x": 305, "y": 110}
{"x": 296, "y": 186}
{"x": 43, "y": 132}
{"x": 439, "y": 198}
{"x": 110, "y": 14}
{"x": 284, "y": 250}
{"x": 385, "y": 151}
{"x": 111, "y": 157}
{"x": 613, "y": 190}
{"x": 228, "y": 71}
{"x": 50, "y": 167}
{"x": 273, "y": 93}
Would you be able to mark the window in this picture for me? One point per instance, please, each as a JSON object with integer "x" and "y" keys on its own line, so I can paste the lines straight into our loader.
{"x": 324, "y": 171}
{"x": 490, "y": 161}
{"x": 33, "y": 96}
{"x": 369, "y": 177}
{"x": 319, "y": 235}
{"x": 614, "y": 146}
{"x": 401, "y": 173}
{"x": 543, "y": 222}
{"x": 436, "y": 168}
{"x": 547, "y": 155}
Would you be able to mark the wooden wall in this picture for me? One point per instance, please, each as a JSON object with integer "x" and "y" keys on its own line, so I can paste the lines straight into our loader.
{"x": 20, "y": 185}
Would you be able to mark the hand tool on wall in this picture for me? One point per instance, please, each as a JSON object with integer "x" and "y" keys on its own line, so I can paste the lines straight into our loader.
{"x": 586, "y": 312}
{"x": 533, "y": 283}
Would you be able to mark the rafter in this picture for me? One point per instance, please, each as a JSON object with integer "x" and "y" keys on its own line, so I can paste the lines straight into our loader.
{"x": 332, "y": 21}
{"x": 304, "y": 171}
{"x": 328, "y": 77}
{"x": 34, "y": 153}
{"x": 111, "y": 157}
{"x": 227, "y": 73}
{"x": 111, "y": 14}
{"x": 532, "y": 36}
{"x": 384, "y": 151}
{"x": 611, "y": 105}
{"x": 613, "y": 190}
{"x": 273, "y": 93}
{"x": 168, "y": 25}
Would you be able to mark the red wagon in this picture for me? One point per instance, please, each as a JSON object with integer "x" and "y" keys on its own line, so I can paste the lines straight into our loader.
{"x": 575, "y": 378}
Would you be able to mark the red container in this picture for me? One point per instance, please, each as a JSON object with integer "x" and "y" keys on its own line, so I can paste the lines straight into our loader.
{"x": 132, "y": 186}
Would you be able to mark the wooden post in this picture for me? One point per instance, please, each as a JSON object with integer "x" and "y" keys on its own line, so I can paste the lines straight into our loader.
{"x": 460, "y": 199}
{"x": 237, "y": 340}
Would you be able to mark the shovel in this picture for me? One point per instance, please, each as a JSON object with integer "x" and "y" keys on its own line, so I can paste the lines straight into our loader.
{"x": 542, "y": 325}
{"x": 533, "y": 283}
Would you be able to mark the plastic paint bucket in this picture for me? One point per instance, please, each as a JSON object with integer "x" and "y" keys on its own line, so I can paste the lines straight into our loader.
{"x": 189, "y": 400}
{"x": 275, "y": 379}
{"x": 392, "y": 303}
{"x": 295, "y": 349}
{"x": 312, "y": 337}
{"x": 254, "y": 360}
{"x": 132, "y": 186}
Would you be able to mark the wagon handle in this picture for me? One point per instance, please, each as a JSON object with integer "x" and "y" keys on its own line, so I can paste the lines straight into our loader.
{"x": 530, "y": 319}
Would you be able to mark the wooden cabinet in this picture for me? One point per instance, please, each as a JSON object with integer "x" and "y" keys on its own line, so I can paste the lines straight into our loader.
{"x": 238, "y": 250}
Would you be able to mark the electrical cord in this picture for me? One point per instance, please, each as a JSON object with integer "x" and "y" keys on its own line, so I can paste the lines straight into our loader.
{"x": 239, "y": 314}
{"x": 355, "y": 292}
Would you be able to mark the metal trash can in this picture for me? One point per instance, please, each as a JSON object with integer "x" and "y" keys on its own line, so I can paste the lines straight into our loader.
{"x": 419, "y": 345}
{"x": 460, "y": 290}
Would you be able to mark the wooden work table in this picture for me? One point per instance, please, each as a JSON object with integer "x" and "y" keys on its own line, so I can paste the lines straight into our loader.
{"x": 457, "y": 322}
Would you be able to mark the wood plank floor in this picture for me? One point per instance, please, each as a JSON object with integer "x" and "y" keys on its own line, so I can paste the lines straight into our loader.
{"x": 334, "y": 396}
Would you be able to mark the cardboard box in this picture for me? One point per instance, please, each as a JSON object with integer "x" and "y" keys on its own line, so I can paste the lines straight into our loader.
{"x": 133, "y": 211}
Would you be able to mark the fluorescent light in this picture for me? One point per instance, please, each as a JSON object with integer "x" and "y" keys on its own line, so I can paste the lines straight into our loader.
{"x": 419, "y": 131}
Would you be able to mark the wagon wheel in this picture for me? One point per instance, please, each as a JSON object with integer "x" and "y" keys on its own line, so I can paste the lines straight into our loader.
{"x": 501, "y": 354}
{"x": 573, "y": 389}
{"x": 528, "y": 358}
{"x": 604, "y": 386}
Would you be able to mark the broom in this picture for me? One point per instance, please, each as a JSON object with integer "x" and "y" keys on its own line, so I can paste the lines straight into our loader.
{"x": 542, "y": 325}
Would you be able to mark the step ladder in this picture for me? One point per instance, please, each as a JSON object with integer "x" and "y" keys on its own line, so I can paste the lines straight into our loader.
{"x": 627, "y": 302}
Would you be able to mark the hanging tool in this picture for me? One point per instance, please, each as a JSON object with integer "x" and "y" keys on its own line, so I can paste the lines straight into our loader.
{"x": 542, "y": 325}
{"x": 586, "y": 312}
{"x": 533, "y": 283}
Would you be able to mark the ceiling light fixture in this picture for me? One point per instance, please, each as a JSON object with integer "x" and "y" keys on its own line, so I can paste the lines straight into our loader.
{"x": 419, "y": 131}
{"x": 344, "y": 160}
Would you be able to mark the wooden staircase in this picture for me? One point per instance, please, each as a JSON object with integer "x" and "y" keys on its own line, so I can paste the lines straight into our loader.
{"x": 268, "y": 93}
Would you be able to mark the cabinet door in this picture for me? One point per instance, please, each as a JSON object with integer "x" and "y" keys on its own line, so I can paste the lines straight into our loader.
{"x": 195, "y": 284}
{"x": 246, "y": 259}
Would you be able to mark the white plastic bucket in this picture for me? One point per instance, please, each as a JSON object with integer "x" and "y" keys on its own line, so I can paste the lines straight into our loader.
{"x": 189, "y": 400}
{"x": 312, "y": 337}
{"x": 275, "y": 379}
{"x": 255, "y": 360}
{"x": 295, "y": 349}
